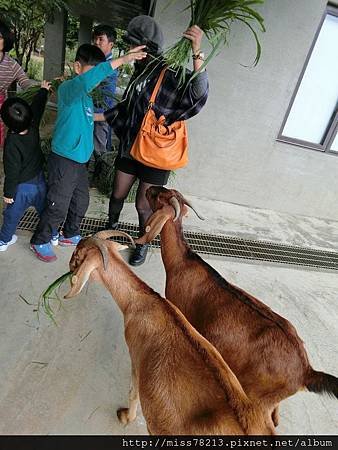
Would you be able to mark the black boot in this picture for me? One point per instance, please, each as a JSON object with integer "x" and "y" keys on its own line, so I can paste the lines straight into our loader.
{"x": 139, "y": 255}
{"x": 113, "y": 222}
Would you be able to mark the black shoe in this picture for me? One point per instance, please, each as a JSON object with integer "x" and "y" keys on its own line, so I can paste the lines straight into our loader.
{"x": 139, "y": 255}
{"x": 112, "y": 226}
{"x": 113, "y": 222}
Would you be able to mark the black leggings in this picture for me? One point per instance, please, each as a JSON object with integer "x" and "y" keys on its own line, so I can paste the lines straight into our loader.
{"x": 121, "y": 187}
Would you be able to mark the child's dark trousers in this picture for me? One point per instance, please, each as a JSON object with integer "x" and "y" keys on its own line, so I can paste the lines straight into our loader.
{"x": 67, "y": 199}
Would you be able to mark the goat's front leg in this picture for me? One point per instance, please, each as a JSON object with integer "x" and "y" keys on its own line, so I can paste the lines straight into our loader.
{"x": 127, "y": 415}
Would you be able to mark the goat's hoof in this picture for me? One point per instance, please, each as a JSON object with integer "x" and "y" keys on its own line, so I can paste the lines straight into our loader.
{"x": 123, "y": 416}
{"x": 275, "y": 417}
{"x": 275, "y": 421}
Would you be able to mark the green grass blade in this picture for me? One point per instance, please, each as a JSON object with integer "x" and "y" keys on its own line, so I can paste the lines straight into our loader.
{"x": 258, "y": 45}
{"x": 51, "y": 293}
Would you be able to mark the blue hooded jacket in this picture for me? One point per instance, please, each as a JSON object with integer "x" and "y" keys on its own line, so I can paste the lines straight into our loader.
{"x": 73, "y": 133}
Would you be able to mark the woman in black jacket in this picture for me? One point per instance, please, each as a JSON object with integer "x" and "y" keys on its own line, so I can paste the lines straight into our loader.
{"x": 173, "y": 101}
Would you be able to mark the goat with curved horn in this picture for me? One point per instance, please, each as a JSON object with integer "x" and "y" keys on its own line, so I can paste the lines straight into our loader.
{"x": 262, "y": 348}
{"x": 184, "y": 385}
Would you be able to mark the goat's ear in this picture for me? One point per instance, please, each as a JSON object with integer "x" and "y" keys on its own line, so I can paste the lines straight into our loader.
{"x": 155, "y": 224}
{"x": 79, "y": 279}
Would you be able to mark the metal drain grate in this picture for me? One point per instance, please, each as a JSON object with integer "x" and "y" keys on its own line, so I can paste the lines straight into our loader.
{"x": 219, "y": 245}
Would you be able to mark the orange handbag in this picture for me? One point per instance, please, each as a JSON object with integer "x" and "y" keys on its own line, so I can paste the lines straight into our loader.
{"x": 159, "y": 145}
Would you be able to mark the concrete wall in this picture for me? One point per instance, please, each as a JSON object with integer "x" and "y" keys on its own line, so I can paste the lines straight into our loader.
{"x": 234, "y": 155}
{"x": 85, "y": 30}
{"x": 55, "y": 45}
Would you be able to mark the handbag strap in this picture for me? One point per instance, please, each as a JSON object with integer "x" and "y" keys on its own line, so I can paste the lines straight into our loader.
{"x": 157, "y": 87}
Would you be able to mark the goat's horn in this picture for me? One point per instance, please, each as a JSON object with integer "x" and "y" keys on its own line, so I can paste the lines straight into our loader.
{"x": 191, "y": 206}
{"x": 106, "y": 234}
{"x": 175, "y": 204}
{"x": 101, "y": 246}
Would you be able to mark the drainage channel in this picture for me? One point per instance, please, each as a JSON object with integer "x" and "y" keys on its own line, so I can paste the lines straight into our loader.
{"x": 219, "y": 245}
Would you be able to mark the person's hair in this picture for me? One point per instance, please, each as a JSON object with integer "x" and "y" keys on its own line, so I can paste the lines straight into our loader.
{"x": 16, "y": 114}
{"x": 108, "y": 30}
{"x": 7, "y": 36}
{"x": 89, "y": 55}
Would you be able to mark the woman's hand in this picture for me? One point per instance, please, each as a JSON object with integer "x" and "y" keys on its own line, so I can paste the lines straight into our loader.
{"x": 194, "y": 34}
{"x": 8, "y": 200}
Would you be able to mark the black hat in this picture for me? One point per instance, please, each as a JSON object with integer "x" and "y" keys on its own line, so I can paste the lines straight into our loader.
{"x": 143, "y": 30}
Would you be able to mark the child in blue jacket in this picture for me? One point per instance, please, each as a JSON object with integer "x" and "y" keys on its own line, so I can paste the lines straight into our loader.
{"x": 72, "y": 146}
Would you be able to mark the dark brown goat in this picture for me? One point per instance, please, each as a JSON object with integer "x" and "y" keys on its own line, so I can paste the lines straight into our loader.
{"x": 261, "y": 347}
{"x": 183, "y": 383}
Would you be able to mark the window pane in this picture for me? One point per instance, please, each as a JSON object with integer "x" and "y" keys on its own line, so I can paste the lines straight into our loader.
{"x": 314, "y": 105}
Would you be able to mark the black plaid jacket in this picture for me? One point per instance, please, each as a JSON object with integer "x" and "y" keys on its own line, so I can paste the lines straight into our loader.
{"x": 172, "y": 102}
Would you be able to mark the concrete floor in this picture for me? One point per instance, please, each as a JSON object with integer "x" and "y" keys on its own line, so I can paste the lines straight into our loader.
{"x": 71, "y": 378}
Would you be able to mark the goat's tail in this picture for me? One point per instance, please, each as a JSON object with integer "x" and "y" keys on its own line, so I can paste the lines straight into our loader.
{"x": 322, "y": 383}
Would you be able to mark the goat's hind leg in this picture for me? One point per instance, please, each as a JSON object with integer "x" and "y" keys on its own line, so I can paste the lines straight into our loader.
{"x": 127, "y": 415}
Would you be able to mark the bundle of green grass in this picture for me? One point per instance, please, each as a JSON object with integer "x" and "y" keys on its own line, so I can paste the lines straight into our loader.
{"x": 100, "y": 99}
{"x": 215, "y": 19}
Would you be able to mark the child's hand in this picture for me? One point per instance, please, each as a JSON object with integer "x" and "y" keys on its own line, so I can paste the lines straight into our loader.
{"x": 136, "y": 53}
{"x": 8, "y": 200}
{"x": 194, "y": 34}
{"x": 46, "y": 85}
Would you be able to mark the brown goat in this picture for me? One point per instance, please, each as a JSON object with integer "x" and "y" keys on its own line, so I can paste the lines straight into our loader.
{"x": 261, "y": 347}
{"x": 183, "y": 383}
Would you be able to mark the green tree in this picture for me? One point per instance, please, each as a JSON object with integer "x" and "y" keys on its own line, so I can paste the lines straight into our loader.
{"x": 120, "y": 44}
{"x": 72, "y": 31}
{"x": 27, "y": 19}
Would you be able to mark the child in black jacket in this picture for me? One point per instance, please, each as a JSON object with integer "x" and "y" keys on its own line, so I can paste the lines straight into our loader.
{"x": 25, "y": 184}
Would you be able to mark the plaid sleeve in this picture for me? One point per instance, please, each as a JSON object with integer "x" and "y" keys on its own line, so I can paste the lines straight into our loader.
{"x": 195, "y": 96}
{"x": 116, "y": 118}
{"x": 182, "y": 103}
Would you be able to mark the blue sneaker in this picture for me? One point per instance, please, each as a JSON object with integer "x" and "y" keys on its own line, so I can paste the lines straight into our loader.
{"x": 55, "y": 238}
{"x": 44, "y": 252}
{"x": 4, "y": 245}
{"x": 68, "y": 242}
